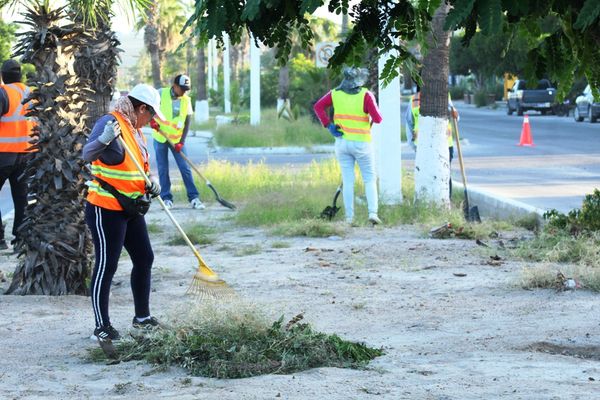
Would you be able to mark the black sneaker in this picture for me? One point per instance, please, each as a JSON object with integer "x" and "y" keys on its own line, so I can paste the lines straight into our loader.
{"x": 106, "y": 332}
{"x": 145, "y": 324}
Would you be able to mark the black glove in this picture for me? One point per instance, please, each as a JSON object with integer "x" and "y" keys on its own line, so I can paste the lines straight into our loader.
{"x": 153, "y": 189}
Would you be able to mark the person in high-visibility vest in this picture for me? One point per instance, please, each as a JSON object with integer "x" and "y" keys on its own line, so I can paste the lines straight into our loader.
{"x": 355, "y": 110}
{"x": 177, "y": 108}
{"x": 412, "y": 126}
{"x": 15, "y": 130}
{"x": 116, "y": 178}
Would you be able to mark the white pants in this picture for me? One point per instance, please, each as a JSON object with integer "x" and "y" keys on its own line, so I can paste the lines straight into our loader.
{"x": 348, "y": 152}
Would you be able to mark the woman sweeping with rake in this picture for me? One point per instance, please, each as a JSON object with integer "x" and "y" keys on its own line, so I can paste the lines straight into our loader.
{"x": 117, "y": 200}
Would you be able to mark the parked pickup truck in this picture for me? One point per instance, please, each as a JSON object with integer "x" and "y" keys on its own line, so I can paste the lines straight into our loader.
{"x": 521, "y": 99}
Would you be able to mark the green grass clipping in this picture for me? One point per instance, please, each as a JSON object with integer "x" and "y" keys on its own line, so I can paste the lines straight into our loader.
{"x": 238, "y": 342}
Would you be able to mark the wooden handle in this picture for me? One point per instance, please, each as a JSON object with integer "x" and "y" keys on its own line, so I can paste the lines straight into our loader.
{"x": 187, "y": 160}
{"x": 460, "y": 158}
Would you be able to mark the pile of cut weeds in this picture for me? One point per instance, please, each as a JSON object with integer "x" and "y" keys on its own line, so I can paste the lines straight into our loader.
{"x": 234, "y": 344}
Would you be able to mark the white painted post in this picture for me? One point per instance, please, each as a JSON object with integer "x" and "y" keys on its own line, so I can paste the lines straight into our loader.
{"x": 226, "y": 74}
{"x": 201, "y": 112}
{"x": 215, "y": 73}
{"x": 254, "y": 83}
{"x": 210, "y": 65}
{"x": 387, "y": 140}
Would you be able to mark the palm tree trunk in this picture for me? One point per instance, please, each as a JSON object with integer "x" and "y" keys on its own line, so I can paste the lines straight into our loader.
{"x": 97, "y": 61}
{"x": 432, "y": 169}
{"x": 53, "y": 245}
{"x": 151, "y": 39}
{"x": 202, "y": 113}
{"x": 201, "y": 85}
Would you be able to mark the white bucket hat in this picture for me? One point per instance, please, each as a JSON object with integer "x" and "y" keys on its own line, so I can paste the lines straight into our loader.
{"x": 148, "y": 95}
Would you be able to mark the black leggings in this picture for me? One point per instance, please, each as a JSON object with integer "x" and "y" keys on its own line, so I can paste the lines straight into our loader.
{"x": 111, "y": 230}
{"x": 18, "y": 190}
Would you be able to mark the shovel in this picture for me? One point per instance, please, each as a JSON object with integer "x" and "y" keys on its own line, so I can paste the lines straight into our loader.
{"x": 471, "y": 213}
{"x": 330, "y": 211}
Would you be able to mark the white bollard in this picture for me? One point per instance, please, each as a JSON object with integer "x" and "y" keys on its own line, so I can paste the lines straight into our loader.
{"x": 254, "y": 83}
{"x": 226, "y": 75}
{"x": 201, "y": 111}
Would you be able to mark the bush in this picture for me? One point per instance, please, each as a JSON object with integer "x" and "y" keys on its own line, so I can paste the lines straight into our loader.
{"x": 480, "y": 98}
{"x": 457, "y": 92}
{"x": 577, "y": 221}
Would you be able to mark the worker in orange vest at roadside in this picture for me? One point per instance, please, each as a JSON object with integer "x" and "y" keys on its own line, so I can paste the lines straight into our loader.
{"x": 15, "y": 130}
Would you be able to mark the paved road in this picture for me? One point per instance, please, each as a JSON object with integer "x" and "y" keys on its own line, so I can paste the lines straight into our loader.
{"x": 557, "y": 172}
{"x": 563, "y": 166}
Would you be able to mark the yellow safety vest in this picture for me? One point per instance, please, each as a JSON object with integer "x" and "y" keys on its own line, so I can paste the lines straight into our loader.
{"x": 415, "y": 104}
{"x": 350, "y": 116}
{"x": 172, "y": 127}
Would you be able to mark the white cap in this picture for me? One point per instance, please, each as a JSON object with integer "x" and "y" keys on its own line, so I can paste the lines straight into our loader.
{"x": 183, "y": 81}
{"x": 148, "y": 95}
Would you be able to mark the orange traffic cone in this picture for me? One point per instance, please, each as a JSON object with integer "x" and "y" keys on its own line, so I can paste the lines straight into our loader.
{"x": 526, "y": 139}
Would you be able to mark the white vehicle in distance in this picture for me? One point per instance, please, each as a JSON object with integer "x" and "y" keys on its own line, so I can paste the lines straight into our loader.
{"x": 586, "y": 107}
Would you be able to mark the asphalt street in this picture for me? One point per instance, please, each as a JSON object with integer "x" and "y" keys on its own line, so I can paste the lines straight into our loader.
{"x": 557, "y": 172}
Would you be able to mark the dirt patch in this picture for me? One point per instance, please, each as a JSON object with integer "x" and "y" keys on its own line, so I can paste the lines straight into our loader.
{"x": 452, "y": 326}
{"x": 585, "y": 352}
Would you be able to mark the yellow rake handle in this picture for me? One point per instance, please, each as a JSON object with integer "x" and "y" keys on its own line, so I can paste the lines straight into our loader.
{"x": 162, "y": 203}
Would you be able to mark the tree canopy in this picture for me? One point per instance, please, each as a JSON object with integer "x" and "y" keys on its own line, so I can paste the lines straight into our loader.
{"x": 7, "y": 34}
{"x": 488, "y": 56}
{"x": 571, "y": 47}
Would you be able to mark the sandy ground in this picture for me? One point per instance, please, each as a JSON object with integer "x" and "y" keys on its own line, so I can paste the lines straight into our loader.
{"x": 445, "y": 335}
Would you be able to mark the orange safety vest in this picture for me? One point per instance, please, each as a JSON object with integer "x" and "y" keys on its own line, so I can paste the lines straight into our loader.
{"x": 350, "y": 116}
{"x": 15, "y": 127}
{"x": 124, "y": 177}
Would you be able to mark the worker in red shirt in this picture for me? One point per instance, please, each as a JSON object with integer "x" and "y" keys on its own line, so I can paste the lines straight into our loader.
{"x": 355, "y": 110}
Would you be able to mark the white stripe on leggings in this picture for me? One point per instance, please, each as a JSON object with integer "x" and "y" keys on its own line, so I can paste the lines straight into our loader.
{"x": 101, "y": 267}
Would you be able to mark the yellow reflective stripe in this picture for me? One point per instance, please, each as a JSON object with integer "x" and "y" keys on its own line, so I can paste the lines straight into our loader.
{"x": 117, "y": 174}
{"x": 95, "y": 187}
